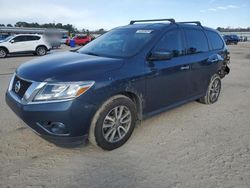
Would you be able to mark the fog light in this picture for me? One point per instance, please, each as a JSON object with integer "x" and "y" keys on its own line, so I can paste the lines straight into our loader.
{"x": 54, "y": 128}
{"x": 58, "y": 128}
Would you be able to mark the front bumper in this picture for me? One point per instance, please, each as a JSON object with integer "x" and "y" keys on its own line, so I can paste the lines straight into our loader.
{"x": 75, "y": 115}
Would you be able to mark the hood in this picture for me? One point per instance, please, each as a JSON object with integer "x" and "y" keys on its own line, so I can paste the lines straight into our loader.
{"x": 67, "y": 66}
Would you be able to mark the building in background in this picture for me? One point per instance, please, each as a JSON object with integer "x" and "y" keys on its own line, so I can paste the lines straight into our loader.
{"x": 30, "y": 30}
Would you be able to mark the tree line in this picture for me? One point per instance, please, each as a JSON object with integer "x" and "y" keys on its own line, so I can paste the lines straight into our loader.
{"x": 69, "y": 27}
{"x": 229, "y": 29}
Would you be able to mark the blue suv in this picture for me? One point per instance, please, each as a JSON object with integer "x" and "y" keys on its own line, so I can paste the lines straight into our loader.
{"x": 100, "y": 91}
{"x": 231, "y": 39}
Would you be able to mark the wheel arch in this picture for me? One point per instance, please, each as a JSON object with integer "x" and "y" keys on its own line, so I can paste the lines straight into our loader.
{"x": 136, "y": 99}
{"x": 129, "y": 94}
{"x": 5, "y": 48}
{"x": 41, "y": 45}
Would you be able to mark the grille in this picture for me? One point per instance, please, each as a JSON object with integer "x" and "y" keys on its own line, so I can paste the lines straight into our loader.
{"x": 24, "y": 85}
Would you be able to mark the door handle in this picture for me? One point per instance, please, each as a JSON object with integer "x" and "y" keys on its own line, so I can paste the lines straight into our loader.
{"x": 213, "y": 60}
{"x": 186, "y": 67}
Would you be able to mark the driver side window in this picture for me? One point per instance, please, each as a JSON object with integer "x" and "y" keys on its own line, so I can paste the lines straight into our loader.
{"x": 171, "y": 42}
{"x": 19, "y": 39}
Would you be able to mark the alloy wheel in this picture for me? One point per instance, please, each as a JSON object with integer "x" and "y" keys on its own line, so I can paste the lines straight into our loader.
{"x": 41, "y": 51}
{"x": 116, "y": 124}
{"x": 215, "y": 90}
{"x": 2, "y": 53}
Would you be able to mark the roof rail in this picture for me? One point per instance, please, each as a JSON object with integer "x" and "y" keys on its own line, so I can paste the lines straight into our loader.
{"x": 170, "y": 20}
{"x": 191, "y": 22}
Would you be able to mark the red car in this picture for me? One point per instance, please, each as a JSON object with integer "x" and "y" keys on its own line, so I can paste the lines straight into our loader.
{"x": 80, "y": 40}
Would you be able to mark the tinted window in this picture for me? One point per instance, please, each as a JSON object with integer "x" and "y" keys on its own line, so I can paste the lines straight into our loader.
{"x": 196, "y": 41}
{"x": 235, "y": 37}
{"x": 215, "y": 40}
{"x": 172, "y": 42}
{"x": 81, "y": 37}
{"x": 31, "y": 38}
{"x": 20, "y": 39}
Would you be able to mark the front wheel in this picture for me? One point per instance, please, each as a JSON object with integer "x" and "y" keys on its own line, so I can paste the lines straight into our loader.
{"x": 41, "y": 50}
{"x": 3, "y": 53}
{"x": 213, "y": 90}
{"x": 113, "y": 123}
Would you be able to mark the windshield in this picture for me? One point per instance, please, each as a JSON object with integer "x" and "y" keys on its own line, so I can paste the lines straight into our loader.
{"x": 235, "y": 36}
{"x": 118, "y": 43}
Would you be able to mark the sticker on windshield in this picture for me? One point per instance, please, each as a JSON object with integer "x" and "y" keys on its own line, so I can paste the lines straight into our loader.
{"x": 144, "y": 31}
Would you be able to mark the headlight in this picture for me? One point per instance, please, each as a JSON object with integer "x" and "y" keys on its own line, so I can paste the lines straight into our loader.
{"x": 62, "y": 91}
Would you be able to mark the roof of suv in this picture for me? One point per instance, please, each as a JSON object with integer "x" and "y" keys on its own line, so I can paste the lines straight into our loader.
{"x": 158, "y": 26}
{"x": 27, "y": 35}
{"x": 163, "y": 25}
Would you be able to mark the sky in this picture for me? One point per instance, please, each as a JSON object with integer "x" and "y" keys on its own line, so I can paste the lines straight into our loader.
{"x": 107, "y": 14}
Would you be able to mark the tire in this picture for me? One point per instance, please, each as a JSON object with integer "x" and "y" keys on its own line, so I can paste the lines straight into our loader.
{"x": 3, "y": 53}
{"x": 213, "y": 90}
{"x": 110, "y": 130}
{"x": 41, "y": 51}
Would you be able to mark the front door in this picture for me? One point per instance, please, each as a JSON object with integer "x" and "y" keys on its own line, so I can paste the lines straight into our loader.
{"x": 167, "y": 80}
{"x": 17, "y": 44}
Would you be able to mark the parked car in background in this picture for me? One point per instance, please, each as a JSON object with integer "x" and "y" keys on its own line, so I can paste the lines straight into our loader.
{"x": 64, "y": 39}
{"x": 80, "y": 39}
{"x": 231, "y": 39}
{"x": 3, "y": 36}
{"x": 24, "y": 43}
{"x": 129, "y": 73}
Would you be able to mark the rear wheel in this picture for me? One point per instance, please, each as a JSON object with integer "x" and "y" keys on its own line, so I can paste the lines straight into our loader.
{"x": 213, "y": 90}
{"x": 41, "y": 50}
{"x": 113, "y": 123}
{"x": 3, "y": 53}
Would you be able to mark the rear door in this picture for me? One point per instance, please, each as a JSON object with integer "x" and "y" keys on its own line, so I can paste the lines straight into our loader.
{"x": 166, "y": 82}
{"x": 32, "y": 42}
{"x": 197, "y": 49}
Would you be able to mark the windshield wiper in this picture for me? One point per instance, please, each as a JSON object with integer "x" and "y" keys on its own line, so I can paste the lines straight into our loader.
{"x": 91, "y": 53}
{"x": 75, "y": 50}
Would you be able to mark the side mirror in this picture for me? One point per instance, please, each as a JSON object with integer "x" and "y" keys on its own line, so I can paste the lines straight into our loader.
{"x": 160, "y": 55}
{"x": 12, "y": 41}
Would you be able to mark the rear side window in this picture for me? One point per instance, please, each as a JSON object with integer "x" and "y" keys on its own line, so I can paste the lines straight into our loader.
{"x": 82, "y": 37}
{"x": 215, "y": 40}
{"x": 31, "y": 38}
{"x": 172, "y": 42}
{"x": 196, "y": 41}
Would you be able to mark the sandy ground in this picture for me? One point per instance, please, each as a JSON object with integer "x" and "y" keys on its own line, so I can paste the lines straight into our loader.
{"x": 194, "y": 145}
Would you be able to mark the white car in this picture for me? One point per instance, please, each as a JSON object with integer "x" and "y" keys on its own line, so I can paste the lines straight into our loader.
{"x": 64, "y": 39}
{"x": 24, "y": 43}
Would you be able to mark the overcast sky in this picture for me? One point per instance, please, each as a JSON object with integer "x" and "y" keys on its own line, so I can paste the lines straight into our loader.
{"x": 95, "y": 14}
